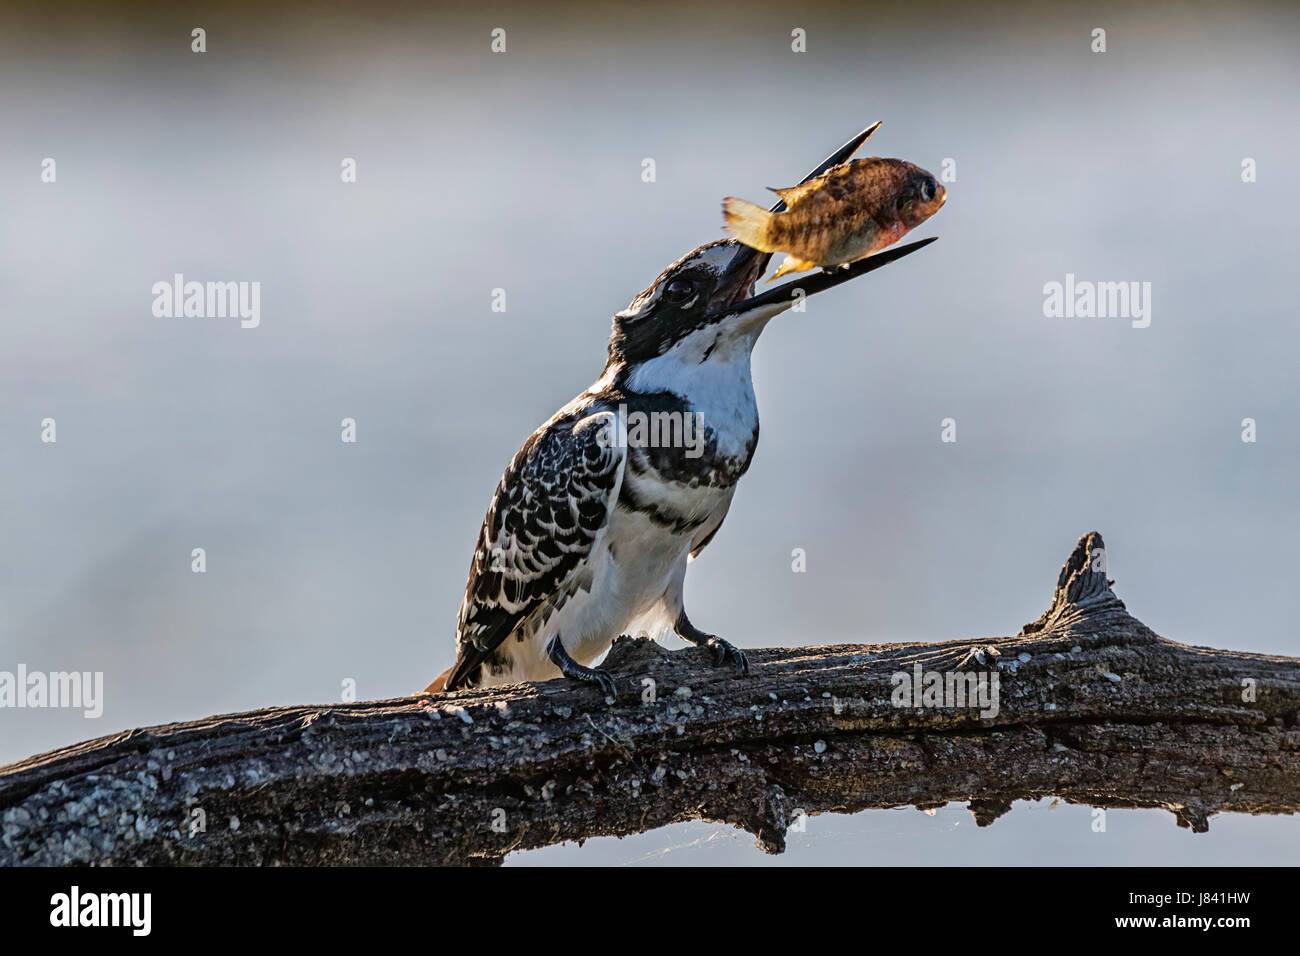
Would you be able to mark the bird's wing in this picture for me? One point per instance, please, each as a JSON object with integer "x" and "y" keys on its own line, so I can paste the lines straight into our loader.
{"x": 546, "y": 517}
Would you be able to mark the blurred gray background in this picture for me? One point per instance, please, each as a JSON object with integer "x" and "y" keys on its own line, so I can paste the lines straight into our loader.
{"x": 329, "y": 561}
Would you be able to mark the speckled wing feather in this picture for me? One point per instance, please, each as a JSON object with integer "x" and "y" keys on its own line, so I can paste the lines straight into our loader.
{"x": 549, "y": 511}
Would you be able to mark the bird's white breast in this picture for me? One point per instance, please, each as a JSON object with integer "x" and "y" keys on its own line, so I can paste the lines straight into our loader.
{"x": 720, "y": 388}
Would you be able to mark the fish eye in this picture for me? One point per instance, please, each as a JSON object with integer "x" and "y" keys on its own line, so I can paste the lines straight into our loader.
{"x": 928, "y": 188}
{"x": 679, "y": 290}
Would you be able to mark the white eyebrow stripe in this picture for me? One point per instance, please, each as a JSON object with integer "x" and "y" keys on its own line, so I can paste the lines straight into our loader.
{"x": 712, "y": 260}
{"x": 635, "y": 311}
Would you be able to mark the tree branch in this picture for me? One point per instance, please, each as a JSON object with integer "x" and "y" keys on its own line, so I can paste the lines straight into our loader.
{"x": 1092, "y": 707}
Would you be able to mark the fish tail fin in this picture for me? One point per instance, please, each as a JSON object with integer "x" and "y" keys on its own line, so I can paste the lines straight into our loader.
{"x": 747, "y": 222}
{"x": 791, "y": 264}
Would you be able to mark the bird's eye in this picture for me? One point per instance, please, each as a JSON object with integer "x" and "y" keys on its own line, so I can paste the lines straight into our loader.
{"x": 928, "y": 188}
{"x": 679, "y": 290}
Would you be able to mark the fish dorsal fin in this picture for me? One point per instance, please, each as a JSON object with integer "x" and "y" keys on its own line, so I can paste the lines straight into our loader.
{"x": 836, "y": 181}
{"x": 791, "y": 193}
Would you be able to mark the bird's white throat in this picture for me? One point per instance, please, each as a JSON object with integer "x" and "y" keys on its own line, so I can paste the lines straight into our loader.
{"x": 710, "y": 370}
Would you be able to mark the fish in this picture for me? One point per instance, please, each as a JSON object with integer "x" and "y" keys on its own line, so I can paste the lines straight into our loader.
{"x": 846, "y": 214}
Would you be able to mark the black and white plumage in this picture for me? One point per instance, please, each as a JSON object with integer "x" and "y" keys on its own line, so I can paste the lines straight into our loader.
{"x": 590, "y": 530}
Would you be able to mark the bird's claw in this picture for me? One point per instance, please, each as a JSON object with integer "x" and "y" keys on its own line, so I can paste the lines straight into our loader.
{"x": 590, "y": 675}
{"x": 575, "y": 671}
{"x": 724, "y": 651}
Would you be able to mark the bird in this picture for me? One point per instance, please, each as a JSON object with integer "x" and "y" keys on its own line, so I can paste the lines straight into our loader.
{"x": 596, "y": 518}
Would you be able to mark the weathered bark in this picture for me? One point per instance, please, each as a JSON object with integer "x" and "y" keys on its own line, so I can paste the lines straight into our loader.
{"x": 1095, "y": 708}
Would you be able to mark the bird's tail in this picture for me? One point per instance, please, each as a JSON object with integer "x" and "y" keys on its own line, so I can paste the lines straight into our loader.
{"x": 440, "y": 682}
{"x": 747, "y": 222}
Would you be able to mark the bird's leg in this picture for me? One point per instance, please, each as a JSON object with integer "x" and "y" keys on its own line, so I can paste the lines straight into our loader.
{"x": 723, "y": 651}
{"x": 575, "y": 671}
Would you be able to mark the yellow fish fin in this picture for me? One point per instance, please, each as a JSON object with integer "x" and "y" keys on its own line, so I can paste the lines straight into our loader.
{"x": 790, "y": 194}
{"x": 747, "y": 222}
{"x": 791, "y": 264}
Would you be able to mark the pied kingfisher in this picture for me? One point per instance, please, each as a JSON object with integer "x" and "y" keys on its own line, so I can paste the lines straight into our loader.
{"x": 591, "y": 528}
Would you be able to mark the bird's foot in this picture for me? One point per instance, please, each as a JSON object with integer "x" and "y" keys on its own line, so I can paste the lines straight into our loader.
{"x": 579, "y": 672}
{"x": 726, "y": 652}
{"x": 723, "y": 651}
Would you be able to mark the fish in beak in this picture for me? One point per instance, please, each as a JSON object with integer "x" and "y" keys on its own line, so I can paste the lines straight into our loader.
{"x": 734, "y": 292}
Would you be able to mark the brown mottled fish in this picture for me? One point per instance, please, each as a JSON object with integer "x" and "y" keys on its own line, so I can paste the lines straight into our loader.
{"x": 845, "y": 214}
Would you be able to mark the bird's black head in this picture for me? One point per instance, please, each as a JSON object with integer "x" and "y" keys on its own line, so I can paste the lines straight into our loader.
{"x": 712, "y": 288}
{"x": 699, "y": 290}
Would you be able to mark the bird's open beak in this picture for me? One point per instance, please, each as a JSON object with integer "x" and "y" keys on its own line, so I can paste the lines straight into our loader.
{"x": 735, "y": 291}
